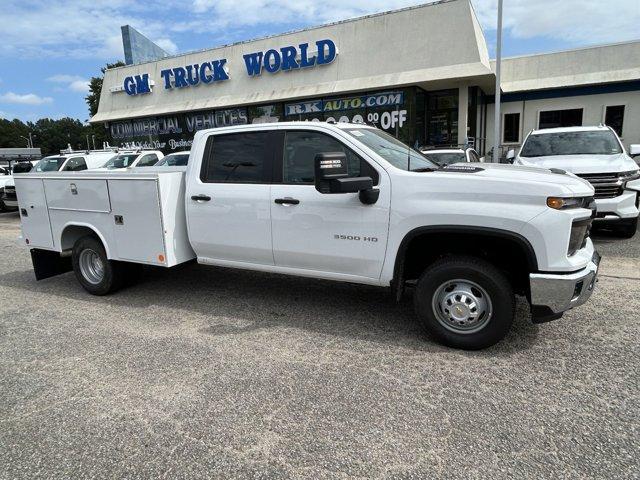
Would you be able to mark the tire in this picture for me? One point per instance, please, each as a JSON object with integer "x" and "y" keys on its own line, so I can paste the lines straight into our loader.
{"x": 96, "y": 273}
{"x": 628, "y": 228}
{"x": 481, "y": 295}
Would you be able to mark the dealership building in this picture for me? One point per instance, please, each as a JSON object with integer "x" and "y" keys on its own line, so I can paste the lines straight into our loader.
{"x": 421, "y": 73}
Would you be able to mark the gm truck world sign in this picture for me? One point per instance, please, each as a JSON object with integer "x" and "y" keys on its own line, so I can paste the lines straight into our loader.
{"x": 272, "y": 61}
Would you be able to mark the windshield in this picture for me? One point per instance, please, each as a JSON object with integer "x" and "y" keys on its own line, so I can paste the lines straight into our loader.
{"x": 51, "y": 164}
{"x": 595, "y": 142}
{"x": 391, "y": 149}
{"x": 174, "y": 160}
{"x": 447, "y": 158}
{"x": 121, "y": 161}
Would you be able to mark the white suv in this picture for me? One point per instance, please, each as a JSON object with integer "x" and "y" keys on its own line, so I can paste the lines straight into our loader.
{"x": 596, "y": 155}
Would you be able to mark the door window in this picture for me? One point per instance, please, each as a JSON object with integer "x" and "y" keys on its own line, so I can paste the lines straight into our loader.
{"x": 75, "y": 164}
{"x": 238, "y": 158}
{"x": 301, "y": 148}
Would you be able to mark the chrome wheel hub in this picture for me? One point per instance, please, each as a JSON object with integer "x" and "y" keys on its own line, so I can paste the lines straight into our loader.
{"x": 462, "y": 306}
{"x": 91, "y": 266}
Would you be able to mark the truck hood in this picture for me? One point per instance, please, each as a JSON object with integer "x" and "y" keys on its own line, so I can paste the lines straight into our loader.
{"x": 518, "y": 178}
{"x": 583, "y": 164}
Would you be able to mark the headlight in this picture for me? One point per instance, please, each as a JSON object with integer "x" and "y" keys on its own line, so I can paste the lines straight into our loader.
{"x": 561, "y": 203}
{"x": 629, "y": 176}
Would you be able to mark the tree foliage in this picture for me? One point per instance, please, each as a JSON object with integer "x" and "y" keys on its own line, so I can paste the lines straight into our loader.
{"x": 48, "y": 134}
{"x": 95, "y": 87}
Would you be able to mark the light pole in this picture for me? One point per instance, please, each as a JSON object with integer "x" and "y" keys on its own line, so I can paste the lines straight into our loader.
{"x": 497, "y": 117}
{"x": 28, "y": 141}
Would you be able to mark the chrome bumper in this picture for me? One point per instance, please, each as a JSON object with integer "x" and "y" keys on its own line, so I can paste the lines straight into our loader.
{"x": 552, "y": 293}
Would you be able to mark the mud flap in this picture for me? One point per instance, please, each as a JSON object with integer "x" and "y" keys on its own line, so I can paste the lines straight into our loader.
{"x": 49, "y": 264}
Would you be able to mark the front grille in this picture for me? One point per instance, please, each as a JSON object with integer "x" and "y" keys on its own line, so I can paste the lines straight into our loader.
{"x": 606, "y": 185}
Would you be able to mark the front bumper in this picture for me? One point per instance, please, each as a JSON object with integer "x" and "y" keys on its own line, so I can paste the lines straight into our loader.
{"x": 622, "y": 207}
{"x": 555, "y": 293}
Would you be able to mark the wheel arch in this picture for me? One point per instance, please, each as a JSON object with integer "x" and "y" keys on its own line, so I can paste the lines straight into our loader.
{"x": 441, "y": 238}
{"x": 73, "y": 231}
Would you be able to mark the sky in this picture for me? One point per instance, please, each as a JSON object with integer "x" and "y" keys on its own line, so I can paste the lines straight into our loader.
{"x": 50, "y": 48}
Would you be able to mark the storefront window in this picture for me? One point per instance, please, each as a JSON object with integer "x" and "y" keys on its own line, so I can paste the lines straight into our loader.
{"x": 560, "y": 118}
{"x": 442, "y": 118}
{"x": 614, "y": 117}
{"x": 266, "y": 113}
{"x": 392, "y": 111}
{"x": 172, "y": 132}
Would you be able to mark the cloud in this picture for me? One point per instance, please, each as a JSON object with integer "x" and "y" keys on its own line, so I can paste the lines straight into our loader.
{"x": 167, "y": 45}
{"x": 91, "y": 29}
{"x": 573, "y": 21}
{"x": 26, "y": 99}
{"x": 73, "y": 82}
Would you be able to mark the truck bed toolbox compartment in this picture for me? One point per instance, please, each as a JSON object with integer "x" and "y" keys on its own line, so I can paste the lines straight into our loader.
{"x": 139, "y": 217}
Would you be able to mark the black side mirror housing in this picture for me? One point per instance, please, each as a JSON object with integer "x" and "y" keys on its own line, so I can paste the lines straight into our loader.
{"x": 330, "y": 166}
{"x": 332, "y": 176}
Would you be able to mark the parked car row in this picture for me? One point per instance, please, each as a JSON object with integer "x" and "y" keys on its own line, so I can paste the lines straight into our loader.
{"x": 87, "y": 160}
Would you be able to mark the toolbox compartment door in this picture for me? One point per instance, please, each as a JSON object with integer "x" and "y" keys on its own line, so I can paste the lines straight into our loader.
{"x": 34, "y": 215}
{"x": 137, "y": 220}
{"x": 82, "y": 195}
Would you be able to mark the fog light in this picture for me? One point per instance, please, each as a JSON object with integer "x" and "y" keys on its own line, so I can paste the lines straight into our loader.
{"x": 577, "y": 290}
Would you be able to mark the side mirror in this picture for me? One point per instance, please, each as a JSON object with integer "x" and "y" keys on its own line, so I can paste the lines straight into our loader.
{"x": 634, "y": 150}
{"x": 511, "y": 155}
{"x": 332, "y": 176}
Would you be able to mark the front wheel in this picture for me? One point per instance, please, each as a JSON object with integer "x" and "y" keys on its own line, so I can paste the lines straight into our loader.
{"x": 96, "y": 273}
{"x": 465, "y": 302}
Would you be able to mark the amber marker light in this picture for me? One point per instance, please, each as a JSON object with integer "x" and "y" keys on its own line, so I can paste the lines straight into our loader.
{"x": 161, "y": 258}
{"x": 555, "y": 202}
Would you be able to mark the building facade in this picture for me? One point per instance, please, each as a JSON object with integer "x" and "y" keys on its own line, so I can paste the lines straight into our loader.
{"x": 421, "y": 73}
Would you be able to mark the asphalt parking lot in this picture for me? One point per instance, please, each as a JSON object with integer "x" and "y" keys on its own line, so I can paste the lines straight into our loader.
{"x": 214, "y": 373}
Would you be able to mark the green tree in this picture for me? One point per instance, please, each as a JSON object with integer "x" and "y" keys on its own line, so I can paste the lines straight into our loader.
{"x": 11, "y": 133}
{"x": 98, "y": 132}
{"x": 95, "y": 87}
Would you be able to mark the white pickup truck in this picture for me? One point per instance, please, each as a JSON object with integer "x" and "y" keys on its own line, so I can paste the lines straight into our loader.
{"x": 597, "y": 155}
{"x": 342, "y": 202}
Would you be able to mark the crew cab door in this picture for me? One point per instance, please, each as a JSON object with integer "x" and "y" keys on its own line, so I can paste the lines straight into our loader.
{"x": 228, "y": 199}
{"x": 333, "y": 233}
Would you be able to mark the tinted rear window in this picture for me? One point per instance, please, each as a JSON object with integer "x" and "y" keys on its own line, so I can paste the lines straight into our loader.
{"x": 238, "y": 158}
